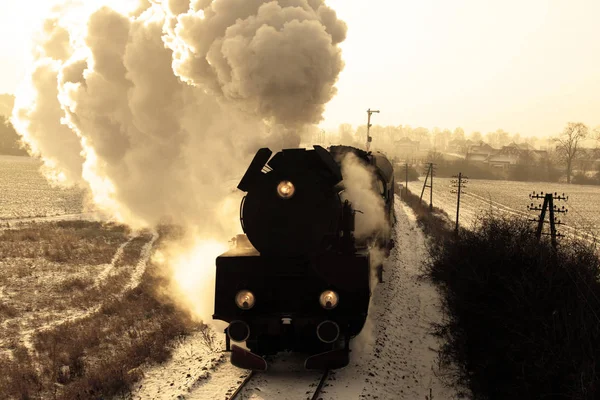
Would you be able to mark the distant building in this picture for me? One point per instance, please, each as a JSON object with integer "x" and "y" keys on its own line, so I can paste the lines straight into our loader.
{"x": 406, "y": 148}
{"x": 514, "y": 154}
{"x": 588, "y": 160}
{"x": 539, "y": 155}
{"x": 456, "y": 146}
{"x": 505, "y": 157}
{"x": 479, "y": 152}
{"x": 425, "y": 145}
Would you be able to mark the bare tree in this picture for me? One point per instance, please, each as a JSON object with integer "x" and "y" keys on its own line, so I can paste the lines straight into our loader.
{"x": 476, "y": 137}
{"x": 596, "y": 135}
{"x": 567, "y": 144}
{"x": 346, "y": 134}
{"x": 458, "y": 134}
{"x": 435, "y": 157}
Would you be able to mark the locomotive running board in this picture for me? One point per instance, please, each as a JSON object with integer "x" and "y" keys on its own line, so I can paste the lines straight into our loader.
{"x": 333, "y": 359}
{"x": 245, "y": 359}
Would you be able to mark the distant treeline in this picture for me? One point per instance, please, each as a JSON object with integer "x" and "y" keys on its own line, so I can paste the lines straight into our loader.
{"x": 385, "y": 137}
{"x": 572, "y": 155}
{"x": 540, "y": 171}
{"x": 10, "y": 141}
{"x": 543, "y": 170}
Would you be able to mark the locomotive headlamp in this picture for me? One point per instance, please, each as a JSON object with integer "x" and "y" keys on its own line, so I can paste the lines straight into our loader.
{"x": 329, "y": 299}
{"x": 245, "y": 299}
{"x": 285, "y": 189}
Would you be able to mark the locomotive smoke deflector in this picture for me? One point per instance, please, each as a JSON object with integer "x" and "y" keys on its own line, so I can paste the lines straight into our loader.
{"x": 262, "y": 156}
{"x": 254, "y": 170}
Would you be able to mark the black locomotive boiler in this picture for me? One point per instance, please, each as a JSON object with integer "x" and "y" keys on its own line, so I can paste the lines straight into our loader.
{"x": 298, "y": 280}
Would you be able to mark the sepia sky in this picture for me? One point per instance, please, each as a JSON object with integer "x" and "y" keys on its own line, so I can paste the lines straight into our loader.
{"x": 524, "y": 66}
{"x": 17, "y": 21}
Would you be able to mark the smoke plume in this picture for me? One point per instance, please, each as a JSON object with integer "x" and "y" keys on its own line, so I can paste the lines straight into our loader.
{"x": 277, "y": 60}
{"x": 158, "y": 109}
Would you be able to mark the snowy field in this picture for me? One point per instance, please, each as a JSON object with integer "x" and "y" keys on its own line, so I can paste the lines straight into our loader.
{"x": 509, "y": 197}
{"x": 54, "y": 273}
{"x": 395, "y": 357}
{"x": 25, "y": 193}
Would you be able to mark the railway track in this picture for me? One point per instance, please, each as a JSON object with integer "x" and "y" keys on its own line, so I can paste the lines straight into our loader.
{"x": 237, "y": 391}
{"x": 317, "y": 392}
{"x": 236, "y": 394}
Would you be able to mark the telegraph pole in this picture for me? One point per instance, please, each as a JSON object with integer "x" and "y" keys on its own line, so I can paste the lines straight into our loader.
{"x": 431, "y": 189}
{"x": 369, "y": 138}
{"x": 458, "y": 183}
{"x": 406, "y": 175}
{"x": 405, "y": 191}
{"x": 552, "y": 209}
{"x": 429, "y": 178}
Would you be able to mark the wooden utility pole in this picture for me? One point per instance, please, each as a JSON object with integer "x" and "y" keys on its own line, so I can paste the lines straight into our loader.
{"x": 369, "y": 138}
{"x": 428, "y": 177}
{"x": 406, "y": 175}
{"x": 459, "y": 184}
{"x": 431, "y": 188}
{"x": 552, "y": 209}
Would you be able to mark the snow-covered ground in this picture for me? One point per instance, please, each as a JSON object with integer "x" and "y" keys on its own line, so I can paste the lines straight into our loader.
{"x": 32, "y": 322}
{"x": 83, "y": 216}
{"x": 395, "y": 357}
{"x": 25, "y": 192}
{"x": 511, "y": 198}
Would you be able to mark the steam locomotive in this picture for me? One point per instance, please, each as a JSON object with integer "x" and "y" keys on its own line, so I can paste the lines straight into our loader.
{"x": 298, "y": 279}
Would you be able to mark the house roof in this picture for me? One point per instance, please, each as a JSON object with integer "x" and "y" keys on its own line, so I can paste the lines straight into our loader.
{"x": 526, "y": 146}
{"x": 456, "y": 142}
{"x": 482, "y": 148}
{"x": 502, "y": 157}
{"x": 406, "y": 140}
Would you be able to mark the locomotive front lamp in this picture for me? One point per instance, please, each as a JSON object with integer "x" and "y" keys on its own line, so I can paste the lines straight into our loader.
{"x": 285, "y": 189}
{"x": 245, "y": 299}
{"x": 329, "y": 299}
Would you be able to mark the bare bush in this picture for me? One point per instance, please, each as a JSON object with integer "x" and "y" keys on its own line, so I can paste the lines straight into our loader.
{"x": 131, "y": 252}
{"x": 8, "y": 311}
{"x": 75, "y": 284}
{"x": 74, "y": 242}
{"x": 208, "y": 338}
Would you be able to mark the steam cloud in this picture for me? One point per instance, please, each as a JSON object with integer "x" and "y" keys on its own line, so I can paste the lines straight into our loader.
{"x": 278, "y": 60}
{"x": 358, "y": 183}
{"x": 155, "y": 109}
{"x": 158, "y": 110}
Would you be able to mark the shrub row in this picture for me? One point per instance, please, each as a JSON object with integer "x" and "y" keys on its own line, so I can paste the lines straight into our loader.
{"x": 523, "y": 318}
